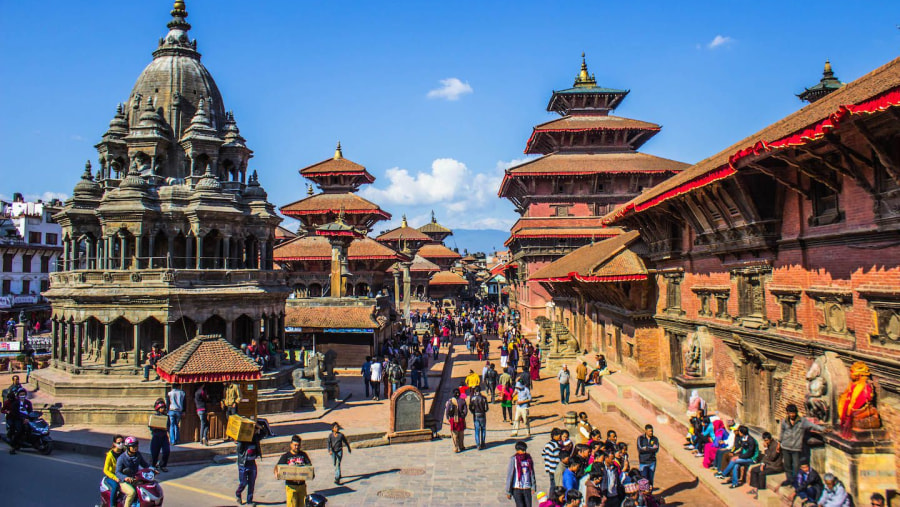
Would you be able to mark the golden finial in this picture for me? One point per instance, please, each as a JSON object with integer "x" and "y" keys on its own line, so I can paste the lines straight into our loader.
{"x": 338, "y": 154}
{"x": 827, "y": 66}
{"x": 584, "y": 78}
{"x": 403, "y": 223}
{"x": 179, "y": 5}
{"x": 309, "y": 190}
{"x": 340, "y": 217}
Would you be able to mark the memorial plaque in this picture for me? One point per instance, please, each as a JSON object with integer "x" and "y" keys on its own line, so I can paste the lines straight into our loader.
{"x": 408, "y": 407}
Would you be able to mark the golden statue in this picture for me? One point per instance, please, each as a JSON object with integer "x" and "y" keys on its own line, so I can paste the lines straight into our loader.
{"x": 856, "y": 405}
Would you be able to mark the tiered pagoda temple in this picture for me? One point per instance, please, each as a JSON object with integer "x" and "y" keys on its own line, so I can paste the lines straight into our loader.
{"x": 590, "y": 165}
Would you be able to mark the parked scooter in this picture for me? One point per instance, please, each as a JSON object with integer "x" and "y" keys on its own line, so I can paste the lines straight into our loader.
{"x": 36, "y": 434}
{"x": 148, "y": 492}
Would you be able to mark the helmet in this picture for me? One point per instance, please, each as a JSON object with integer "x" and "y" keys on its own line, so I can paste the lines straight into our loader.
{"x": 131, "y": 442}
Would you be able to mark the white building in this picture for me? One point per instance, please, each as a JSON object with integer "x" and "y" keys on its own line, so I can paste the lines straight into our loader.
{"x": 30, "y": 245}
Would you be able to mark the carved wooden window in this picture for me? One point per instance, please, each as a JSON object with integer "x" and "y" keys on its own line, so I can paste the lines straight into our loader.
{"x": 713, "y": 300}
{"x": 835, "y": 303}
{"x": 673, "y": 292}
{"x": 26, "y": 263}
{"x": 789, "y": 301}
{"x": 825, "y": 205}
{"x": 751, "y": 297}
{"x": 560, "y": 211}
{"x": 885, "y": 303}
{"x": 8, "y": 262}
{"x": 722, "y": 306}
{"x": 705, "y": 308}
{"x": 26, "y": 286}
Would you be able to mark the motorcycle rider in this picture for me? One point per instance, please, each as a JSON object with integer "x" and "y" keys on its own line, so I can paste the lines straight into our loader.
{"x": 132, "y": 461}
{"x": 17, "y": 418}
{"x": 109, "y": 467}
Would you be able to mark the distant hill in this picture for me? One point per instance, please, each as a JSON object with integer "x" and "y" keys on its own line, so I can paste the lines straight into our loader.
{"x": 477, "y": 240}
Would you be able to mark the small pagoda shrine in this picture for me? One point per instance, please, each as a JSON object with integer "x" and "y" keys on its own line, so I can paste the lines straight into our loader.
{"x": 826, "y": 85}
{"x": 590, "y": 165}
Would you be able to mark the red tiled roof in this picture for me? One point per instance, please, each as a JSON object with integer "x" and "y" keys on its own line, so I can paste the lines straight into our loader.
{"x": 555, "y": 222}
{"x": 320, "y": 317}
{"x": 282, "y": 233}
{"x": 447, "y": 278}
{"x": 420, "y": 264}
{"x": 406, "y": 233}
{"x": 207, "y": 358}
{"x": 336, "y": 166}
{"x": 606, "y": 261}
{"x": 869, "y": 94}
{"x": 317, "y": 248}
{"x": 437, "y": 251}
{"x": 575, "y": 123}
{"x": 564, "y": 232}
{"x": 350, "y": 203}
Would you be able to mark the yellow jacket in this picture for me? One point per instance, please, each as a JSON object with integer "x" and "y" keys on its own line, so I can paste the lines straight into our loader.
{"x": 473, "y": 380}
{"x": 109, "y": 466}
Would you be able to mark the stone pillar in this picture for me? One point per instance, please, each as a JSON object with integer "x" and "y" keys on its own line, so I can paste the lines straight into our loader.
{"x": 70, "y": 342}
{"x": 107, "y": 361}
{"x": 122, "y": 250}
{"x": 397, "y": 289}
{"x": 281, "y": 332}
{"x": 54, "y": 337}
{"x": 263, "y": 254}
{"x": 135, "y": 263}
{"x": 167, "y": 336}
{"x": 226, "y": 252}
{"x": 152, "y": 252}
{"x": 256, "y": 329}
{"x": 188, "y": 251}
{"x": 199, "y": 251}
{"x": 229, "y": 331}
{"x": 137, "y": 345}
{"x": 79, "y": 343}
{"x": 337, "y": 289}
{"x": 407, "y": 296}
{"x": 170, "y": 254}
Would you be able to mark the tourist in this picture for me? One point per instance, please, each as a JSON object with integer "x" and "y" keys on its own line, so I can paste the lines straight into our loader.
{"x": 481, "y": 348}
{"x": 876, "y": 500}
{"x": 396, "y": 376}
{"x": 295, "y": 491}
{"x": 581, "y": 372}
{"x": 247, "y": 455}
{"x": 159, "y": 439}
{"x": 563, "y": 378}
{"x": 366, "y": 372}
{"x": 127, "y": 465}
{"x": 176, "y": 410}
{"x": 772, "y": 464}
{"x": 793, "y": 441}
{"x": 807, "y": 484}
{"x": 520, "y": 479}
{"x": 109, "y": 466}
{"x": 375, "y": 378}
{"x": 593, "y": 495}
{"x": 534, "y": 366}
{"x": 523, "y": 402}
{"x": 478, "y": 406}
{"x": 612, "y": 442}
{"x": 152, "y": 358}
{"x": 746, "y": 456}
{"x": 566, "y": 446}
{"x": 718, "y": 441}
{"x": 336, "y": 443}
{"x": 584, "y": 428}
{"x": 472, "y": 380}
{"x": 456, "y": 410}
{"x": 611, "y": 484}
{"x": 570, "y": 473}
{"x": 200, "y": 401}
{"x": 491, "y": 379}
{"x": 504, "y": 358}
{"x": 506, "y": 396}
{"x": 550, "y": 453}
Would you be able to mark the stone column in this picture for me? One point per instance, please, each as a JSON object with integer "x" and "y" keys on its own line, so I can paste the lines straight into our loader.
{"x": 281, "y": 332}
{"x": 256, "y": 328}
{"x": 188, "y": 251}
{"x": 199, "y": 251}
{"x": 70, "y": 342}
{"x": 122, "y": 249}
{"x": 407, "y": 296}
{"x": 66, "y": 255}
{"x": 170, "y": 254}
{"x": 167, "y": 336}
{"x": 152, "y": 252}
{"x": 135, "y": 263}
{"x": 54, "y": 337}
{"x": 397, "y": 288}
{"x": 226, "y": 252}
{"x": 229, "y": 331}
{"x": 137, "y": 345}
{"x": 107, "y": 326}
{"x": 79, "y": 342}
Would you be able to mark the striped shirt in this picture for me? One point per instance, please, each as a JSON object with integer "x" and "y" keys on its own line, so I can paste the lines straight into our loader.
{"x": 550, "y": 453}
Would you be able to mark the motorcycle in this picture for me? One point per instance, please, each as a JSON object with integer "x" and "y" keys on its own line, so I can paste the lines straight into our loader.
{"x": 316, "y": 500}
{"x": 148, "y": 492}
{"x": 36, "y": 434}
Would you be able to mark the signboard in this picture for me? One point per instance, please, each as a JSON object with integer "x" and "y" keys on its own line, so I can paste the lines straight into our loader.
{"x": 347, "y": 330}
{"x": 10, "y": 346}
{"x": 293, "y": 329}
{"x": 25, "y": 299}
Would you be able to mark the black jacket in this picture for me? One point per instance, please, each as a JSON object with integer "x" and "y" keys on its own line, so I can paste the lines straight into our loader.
{"x": 748, "y": 447}
{"x": 478, "y": 405}
{"x": 647, "y": 449}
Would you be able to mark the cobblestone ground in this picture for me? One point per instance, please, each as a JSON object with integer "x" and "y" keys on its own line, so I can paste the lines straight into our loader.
{"x": 430, "y": 473}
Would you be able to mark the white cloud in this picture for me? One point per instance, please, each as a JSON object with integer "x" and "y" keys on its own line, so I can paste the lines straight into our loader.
{"x": 719, "y": 41}
{"x": 76, "y": 137}
{"x": 450, "y": 89}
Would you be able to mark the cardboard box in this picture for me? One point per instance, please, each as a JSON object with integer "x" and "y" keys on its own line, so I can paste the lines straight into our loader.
{"x": 295, "y": 473}
{"x": 158, "y": 422}
{"x": 240, "y": 428}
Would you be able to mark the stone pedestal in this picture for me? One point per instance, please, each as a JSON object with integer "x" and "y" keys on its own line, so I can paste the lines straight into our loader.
{"x": 865, "y": 465}
{"x": 408, "y": 416}
{"x": 705, "y": 387}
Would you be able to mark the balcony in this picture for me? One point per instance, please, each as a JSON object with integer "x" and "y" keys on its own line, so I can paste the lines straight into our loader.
{"x": 164, "y": 278}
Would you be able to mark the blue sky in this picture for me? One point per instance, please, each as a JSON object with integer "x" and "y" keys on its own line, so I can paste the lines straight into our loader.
{"x": 302, "y": 75}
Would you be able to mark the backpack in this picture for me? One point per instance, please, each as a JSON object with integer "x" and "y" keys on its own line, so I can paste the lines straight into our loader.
{"x": 451, "y": 410}
{"x": 396, "y": 373}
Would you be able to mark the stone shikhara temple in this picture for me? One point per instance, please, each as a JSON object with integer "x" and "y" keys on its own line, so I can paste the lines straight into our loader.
{"x": 172, "y": 236}
{"x": 765, "y": 275}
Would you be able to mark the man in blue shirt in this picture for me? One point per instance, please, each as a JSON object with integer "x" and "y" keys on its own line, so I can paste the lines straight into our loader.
{"x": 127, "y": 466}
{"x": 366, "y": 373}
{"x": 570, "y": 477}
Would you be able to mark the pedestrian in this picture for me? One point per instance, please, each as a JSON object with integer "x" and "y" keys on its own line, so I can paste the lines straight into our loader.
{"x": 534, "y": 366}
{"x": 807, "y": 484}
{"x": 563, "y": 378}
{"x": 506, "y": 395}
{"x": 295, "y": 491}
{"x": 248, "y": 453}
{"x": 424, "y": 359}
{"x": 109, "y": 465}
{"x": 230, "y": 402}
{"x": 152, "y": 358}
{"x": 570, "y": 473}
{"x": 366, "y": 372}
{"x": 584, "y": 428}
{"x": 550, "y": 453}
{"x": 611, "y": 484}
{"x": 478, "y": 406}
{"x": 491, "y": 379}
{"x": 176, "y": 410}
{"x": 523, "y": 402}
{"x": 200, "y": 400}
{"x": 397, "y": 376}
{"x": 772, "y": 464}
{"x": 456, "y": 416}
{"x": 375, "y": 378}
{"x": 581, "y": 379}
{"x": 159, "y": 439}
{"x": 336, "y": 443}
{"x": 648, "y": 446}
{"x": 793, "y": 441}
{"x": 520, "y": 479}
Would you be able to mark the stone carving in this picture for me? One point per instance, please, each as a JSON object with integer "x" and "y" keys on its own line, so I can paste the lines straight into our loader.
{"x": 692, "y": 358}
{"x": 857, "y": 404}
{"x": 136, "y": 277}
{"x": 818, "y": 391}
{"x": 329, "y": 360}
